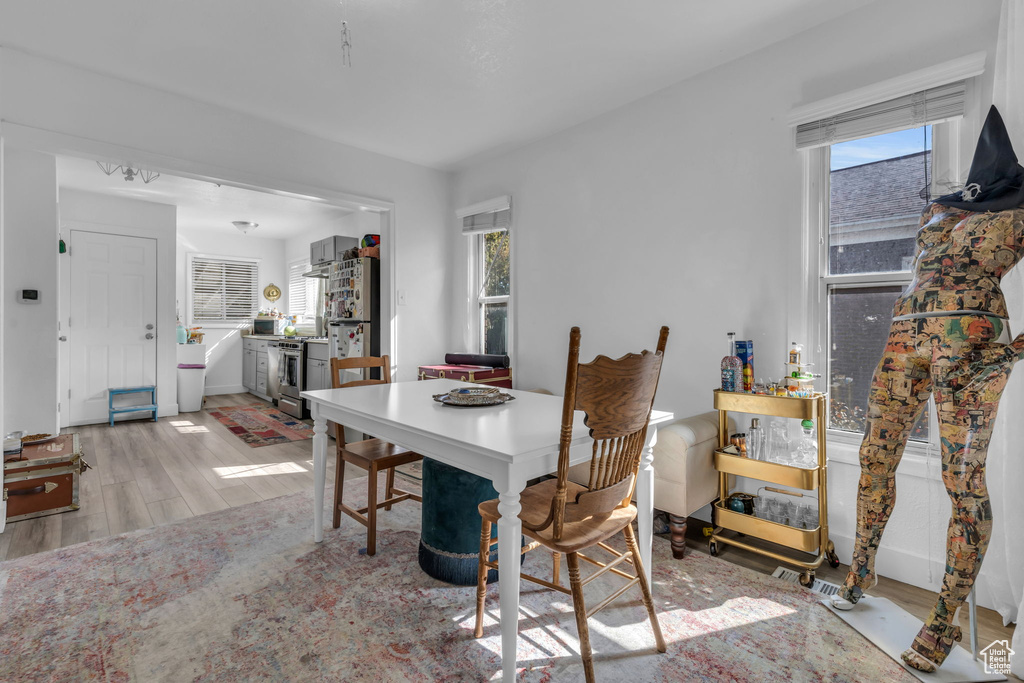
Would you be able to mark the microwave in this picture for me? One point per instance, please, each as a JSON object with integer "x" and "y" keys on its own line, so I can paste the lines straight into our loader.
{"x": 271, "y": 326}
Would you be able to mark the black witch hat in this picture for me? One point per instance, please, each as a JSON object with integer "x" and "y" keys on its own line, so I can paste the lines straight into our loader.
{"x": 995, "y": 181}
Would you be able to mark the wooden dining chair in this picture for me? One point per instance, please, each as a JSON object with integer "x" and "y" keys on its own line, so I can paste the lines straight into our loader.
{"x": 373, "y": 455}
{"x": 565, "y": 517}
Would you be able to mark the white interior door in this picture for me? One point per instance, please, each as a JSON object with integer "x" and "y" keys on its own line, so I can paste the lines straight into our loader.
{"x": 112, "y": 331}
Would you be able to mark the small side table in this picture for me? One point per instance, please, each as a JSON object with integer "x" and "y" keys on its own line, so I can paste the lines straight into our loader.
{"x": 151, "y": 406}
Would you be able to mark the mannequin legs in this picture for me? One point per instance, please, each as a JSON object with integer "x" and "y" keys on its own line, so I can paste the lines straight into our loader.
{"x": 917, "y": 358}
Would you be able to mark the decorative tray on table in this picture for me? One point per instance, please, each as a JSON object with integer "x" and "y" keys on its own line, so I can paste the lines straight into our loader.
{"x": 471, "y": 397}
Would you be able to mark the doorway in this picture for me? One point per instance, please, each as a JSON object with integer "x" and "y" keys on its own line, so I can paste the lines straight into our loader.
{"x": 112, "y": 323}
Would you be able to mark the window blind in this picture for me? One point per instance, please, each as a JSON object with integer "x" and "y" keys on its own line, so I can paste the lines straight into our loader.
{"x": 223, "y": 289}
{"x": 492, "y": 221}
{"x": 933, "y": 105}
{"x": 301, "y": 290}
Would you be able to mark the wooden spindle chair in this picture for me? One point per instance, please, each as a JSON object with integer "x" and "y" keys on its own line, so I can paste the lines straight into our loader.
{"x": 373, "y": 455}
{"x": 565, "y": 517}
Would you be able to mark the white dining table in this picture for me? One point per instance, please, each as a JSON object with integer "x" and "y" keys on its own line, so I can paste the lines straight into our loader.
{"x": 508, "y": 444}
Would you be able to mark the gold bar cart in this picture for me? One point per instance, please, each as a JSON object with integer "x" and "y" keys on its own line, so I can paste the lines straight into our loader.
{"x": 814, "y": 541}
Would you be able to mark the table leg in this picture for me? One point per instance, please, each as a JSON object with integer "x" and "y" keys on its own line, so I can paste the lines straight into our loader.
{"x": 510, "y": 529}
{"x": 319, "y": 472}
{"x": 645, "y": 501}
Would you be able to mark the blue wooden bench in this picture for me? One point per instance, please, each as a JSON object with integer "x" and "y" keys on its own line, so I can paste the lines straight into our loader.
{"x": 151, "y": 406}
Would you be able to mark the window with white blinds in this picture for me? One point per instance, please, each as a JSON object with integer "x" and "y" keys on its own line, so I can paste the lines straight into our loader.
{"x": 932, "y": 105}
{"x": 222, "y": 289}
{"x": 302, "y": 291}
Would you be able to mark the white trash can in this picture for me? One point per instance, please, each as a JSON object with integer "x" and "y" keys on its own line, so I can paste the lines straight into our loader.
{"x": 191, "y": 377}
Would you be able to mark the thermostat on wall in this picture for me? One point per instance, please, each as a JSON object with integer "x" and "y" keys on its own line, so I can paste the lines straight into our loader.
{"x": 28, "y": 296}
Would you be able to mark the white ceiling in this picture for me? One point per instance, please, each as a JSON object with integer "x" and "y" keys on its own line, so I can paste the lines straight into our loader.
{"x": 434, "y": 82}
{"x": 207, "y": 206}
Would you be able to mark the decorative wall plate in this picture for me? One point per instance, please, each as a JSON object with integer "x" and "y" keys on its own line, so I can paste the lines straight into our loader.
{"x": 271, "y": 292}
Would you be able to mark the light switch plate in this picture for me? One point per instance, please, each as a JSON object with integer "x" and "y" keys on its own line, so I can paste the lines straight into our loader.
{"x": 401, "y": 297}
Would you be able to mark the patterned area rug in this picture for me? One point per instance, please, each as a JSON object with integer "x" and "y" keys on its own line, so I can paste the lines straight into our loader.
{"x": 244, "y": 594}
{"x": 261, "y": 424}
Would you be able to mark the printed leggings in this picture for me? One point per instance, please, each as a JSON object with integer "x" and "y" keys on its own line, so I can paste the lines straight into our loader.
{"x": 918, "y": 356}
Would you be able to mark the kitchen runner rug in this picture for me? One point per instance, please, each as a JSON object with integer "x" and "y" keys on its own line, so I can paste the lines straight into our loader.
{"x": 261, "y": 424}
{"x": 244, "y": 594}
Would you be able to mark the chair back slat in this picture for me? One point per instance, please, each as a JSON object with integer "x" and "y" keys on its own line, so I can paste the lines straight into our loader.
{"x": 616, "y": 397}
{"x": 357, "y": 363}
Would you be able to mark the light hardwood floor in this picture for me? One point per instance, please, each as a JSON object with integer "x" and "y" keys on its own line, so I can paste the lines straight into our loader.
{"x": 149, "y": 473}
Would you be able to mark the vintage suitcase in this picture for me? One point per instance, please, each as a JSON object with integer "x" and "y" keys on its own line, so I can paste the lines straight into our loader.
{"x": 43, "y": 478}
{"x": 477, "y": 374}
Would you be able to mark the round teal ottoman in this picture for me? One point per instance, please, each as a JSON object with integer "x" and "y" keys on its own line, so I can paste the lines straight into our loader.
{"x": 450, "y": 533}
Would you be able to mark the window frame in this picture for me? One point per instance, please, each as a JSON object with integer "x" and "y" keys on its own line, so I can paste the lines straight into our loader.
{"x": 479, "y": 301}
{"x": 945, "y": 164}
{"x": 231, "y": 323}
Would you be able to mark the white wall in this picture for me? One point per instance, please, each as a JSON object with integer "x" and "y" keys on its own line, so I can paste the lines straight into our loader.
{"x": 185, "y": 135}
{"x": 117, "y": 215}
{"x": 684, "y": 208}
{"x": 30, "y": 262}
{"x": 224, "y": 344}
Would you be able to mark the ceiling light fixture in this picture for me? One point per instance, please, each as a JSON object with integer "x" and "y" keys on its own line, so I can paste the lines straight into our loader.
{"x": 245, "y": 226}
{"x": 129, "y": 171}
{"x": 346, "y": 40}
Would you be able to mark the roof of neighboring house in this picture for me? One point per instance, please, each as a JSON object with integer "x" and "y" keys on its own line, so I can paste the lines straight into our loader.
{"x": 879, "y": 190}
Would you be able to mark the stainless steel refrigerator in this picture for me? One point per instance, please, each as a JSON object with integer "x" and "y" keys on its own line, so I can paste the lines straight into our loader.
{"x": 353, "y": 311}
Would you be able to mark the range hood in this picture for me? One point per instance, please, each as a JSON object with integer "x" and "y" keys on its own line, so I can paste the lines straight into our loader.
{"x": 321, "y": 271}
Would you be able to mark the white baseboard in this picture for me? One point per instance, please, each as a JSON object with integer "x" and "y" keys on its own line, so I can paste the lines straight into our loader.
{"x": 892, "y": 563}
{"x": 216, "y": 390}
{"x": 904, "y": 566}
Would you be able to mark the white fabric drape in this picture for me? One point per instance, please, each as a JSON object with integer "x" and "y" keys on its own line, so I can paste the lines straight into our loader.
{"x": 1001, "y": 583}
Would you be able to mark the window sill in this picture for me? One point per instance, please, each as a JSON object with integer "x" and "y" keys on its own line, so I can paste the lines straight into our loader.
{"x": 239, "y": 325}
{"x": 915, "y": 462}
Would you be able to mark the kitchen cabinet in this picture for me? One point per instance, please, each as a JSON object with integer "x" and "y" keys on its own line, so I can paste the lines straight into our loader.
{"x": 318, "y": 367}
{"x": 249, "y": 369}
{"x": 255, "y": 366}
{"x": 330, "y": 249}
{"x": 317, "y": 374}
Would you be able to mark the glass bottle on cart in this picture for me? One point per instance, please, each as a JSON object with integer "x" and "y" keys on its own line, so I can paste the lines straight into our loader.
{"x": 732, "y": 368}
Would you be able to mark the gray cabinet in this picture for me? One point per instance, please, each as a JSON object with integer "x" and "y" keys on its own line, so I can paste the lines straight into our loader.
{"x": 254, "y": 365}
{"x": 330, "y": 249}
{"x": 249, "y": 369}
{"x": 318, "y": 374}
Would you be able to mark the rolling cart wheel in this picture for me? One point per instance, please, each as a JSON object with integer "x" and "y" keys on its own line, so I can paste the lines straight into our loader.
{"x": 713, "y": 549}
{"x": 807, "y": 579}
{"x": 833, "y": 560}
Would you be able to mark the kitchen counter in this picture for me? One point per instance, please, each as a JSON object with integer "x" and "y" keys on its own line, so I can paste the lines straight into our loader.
{"x": 317, "y": 341}
{"x": 263, "y": 336}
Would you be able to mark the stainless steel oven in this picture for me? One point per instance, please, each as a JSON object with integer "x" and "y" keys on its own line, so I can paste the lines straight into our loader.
{"x": 291, "y": 374}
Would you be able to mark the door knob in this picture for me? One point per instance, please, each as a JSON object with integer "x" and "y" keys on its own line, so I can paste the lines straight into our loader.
{"x": 149, "y": 326}
{"x": 149, "y": 335}
{"x": 62, "y": 338}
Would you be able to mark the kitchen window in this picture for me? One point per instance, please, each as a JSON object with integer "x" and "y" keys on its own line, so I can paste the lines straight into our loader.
{"x": 871, "y": 171}
{"x": 222, "y": 290}
{"x": 302, "y": 291}
{"x": 487, "y": 226}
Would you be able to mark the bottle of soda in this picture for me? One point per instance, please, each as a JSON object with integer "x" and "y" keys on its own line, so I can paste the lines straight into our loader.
{"x": 732, "y": 368}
